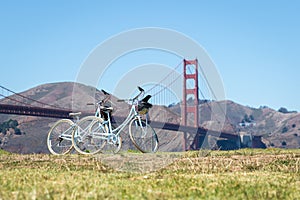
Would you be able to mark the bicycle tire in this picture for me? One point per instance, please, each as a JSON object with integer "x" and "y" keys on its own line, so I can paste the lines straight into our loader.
{"x": 59, "y": 139}
{"x": 88, "y": 138}
{"x": 143, "y": 136}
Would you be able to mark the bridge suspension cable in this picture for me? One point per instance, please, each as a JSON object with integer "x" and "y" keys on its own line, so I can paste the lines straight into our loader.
{"x": 215, "y": 97}
{"x": 161, "y": 91}
{"x": 15, "y": 100}
{"x": 24, "y": 97}
{"x": 164, "y": 79}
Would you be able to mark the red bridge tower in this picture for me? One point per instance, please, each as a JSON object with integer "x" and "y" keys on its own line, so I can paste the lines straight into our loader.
{"x": 190, "y": 91}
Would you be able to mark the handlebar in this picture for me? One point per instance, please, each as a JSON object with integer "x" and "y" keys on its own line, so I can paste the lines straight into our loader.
{"x": 103, "y": 101}
{"x": 104, "y": 92}
{"x": 142, "y": 91}
{"x": 107, "y": 97}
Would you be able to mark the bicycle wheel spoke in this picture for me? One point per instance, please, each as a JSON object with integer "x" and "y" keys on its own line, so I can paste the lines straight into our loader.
{"x": 89, "y": 138}
{"x": 59, "y": 140}
{"x": 143, "y": 136}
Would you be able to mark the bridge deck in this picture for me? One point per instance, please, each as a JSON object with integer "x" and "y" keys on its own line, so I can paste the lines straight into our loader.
{"x": 34, "y": 111}
{"x": 56, "y": 113}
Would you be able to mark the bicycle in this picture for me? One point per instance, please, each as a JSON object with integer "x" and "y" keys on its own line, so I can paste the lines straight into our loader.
{"x": 96, "y": 136}
{"x": 59, "y": 139}
{"x": 141, "y": 133}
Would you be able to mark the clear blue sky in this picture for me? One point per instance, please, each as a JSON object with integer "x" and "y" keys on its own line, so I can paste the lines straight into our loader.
{"x": 254, "y": 44}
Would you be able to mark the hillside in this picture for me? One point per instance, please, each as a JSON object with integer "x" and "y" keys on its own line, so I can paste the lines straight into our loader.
{"x": 68, "y": 95}
{"x": 281, "y": 130}
{"x": 278, "y": 129}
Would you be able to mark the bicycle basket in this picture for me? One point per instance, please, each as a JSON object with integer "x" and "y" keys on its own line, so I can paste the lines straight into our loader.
{"x": 143, "y": 107}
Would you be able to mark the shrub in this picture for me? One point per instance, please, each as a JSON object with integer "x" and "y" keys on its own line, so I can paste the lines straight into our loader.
{"x": 283, "y": 110}
{"x": 284, "y": 129}
{"x": 17, "y": 131}
{"x": 12, "y": 123}
{"x": 9, "y": 124}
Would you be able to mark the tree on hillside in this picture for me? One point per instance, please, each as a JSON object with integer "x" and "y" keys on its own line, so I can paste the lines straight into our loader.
{"x": 10, "y": 124}
{"x": 17, "y": 131}
{"x": 247, "y": 119}
{"x": 284, "y": 129}
{"x": 251, "y": 118}
{"x": 283, "y": 110}
{"x": 263, "y": 107}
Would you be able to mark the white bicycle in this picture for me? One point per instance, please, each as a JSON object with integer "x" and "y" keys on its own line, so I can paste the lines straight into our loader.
{"x": 104, "y": 137}
{"x": 59, "y": 139}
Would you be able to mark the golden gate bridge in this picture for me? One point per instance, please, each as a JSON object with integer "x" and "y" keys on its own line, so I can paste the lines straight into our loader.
{"x": 193, "y": 134}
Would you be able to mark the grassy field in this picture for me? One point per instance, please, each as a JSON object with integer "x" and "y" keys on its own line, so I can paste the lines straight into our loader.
{"x": 242, "y": 174}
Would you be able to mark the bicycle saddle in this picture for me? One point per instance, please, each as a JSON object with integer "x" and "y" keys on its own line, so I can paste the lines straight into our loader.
{"x": 74, "y": 114}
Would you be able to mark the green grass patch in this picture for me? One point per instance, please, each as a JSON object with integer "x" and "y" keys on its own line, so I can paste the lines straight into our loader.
{"x": 3, "y": 152}
{"x": 242, "y": 174}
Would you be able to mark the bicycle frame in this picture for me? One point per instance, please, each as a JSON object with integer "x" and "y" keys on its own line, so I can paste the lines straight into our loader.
{"x": 68, "y": 136}
{"x": 132, "y": 114}
{"x": 94, "y": 132}
{"x": 61, "y": 133}
{"x": 116, "y": 131}
{"x": 73, "y": 127}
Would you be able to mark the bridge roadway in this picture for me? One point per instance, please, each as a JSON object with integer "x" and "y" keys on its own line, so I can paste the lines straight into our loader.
{"x": 57, "y": 113}
{"x": 34, "y": 111}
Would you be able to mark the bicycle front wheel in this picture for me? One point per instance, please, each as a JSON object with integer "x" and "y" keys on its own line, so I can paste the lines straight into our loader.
{"x": 59, "y": 140}
{"x": 90, "y": 135}
{"x": 143, "y": 136}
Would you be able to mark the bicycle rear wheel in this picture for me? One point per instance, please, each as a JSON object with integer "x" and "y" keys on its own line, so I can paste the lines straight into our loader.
{"x": 59, "y": 140}
{"x": 90, "y": 135}
{"x": 143, "y": 136}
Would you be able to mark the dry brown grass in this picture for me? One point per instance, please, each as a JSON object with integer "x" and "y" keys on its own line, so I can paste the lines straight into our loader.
{"x": 243, "y": 174}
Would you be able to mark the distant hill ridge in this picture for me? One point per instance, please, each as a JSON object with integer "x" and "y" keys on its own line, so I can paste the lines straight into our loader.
{"x": 278, "y": 129}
